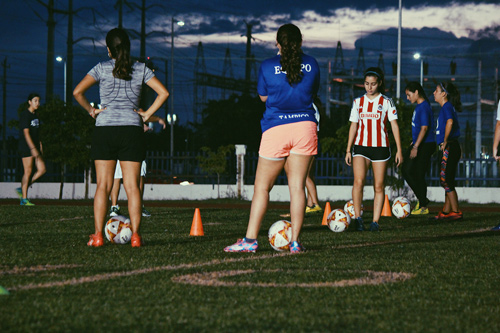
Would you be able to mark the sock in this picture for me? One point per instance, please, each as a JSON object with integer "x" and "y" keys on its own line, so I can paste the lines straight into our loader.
{"x": 249, "y": 240}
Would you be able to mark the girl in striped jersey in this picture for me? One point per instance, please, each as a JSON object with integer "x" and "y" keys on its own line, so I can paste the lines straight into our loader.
{"x": 368, "y": 143}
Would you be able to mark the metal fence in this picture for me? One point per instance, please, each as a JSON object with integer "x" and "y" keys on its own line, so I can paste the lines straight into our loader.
{"x": 329, "y": 170}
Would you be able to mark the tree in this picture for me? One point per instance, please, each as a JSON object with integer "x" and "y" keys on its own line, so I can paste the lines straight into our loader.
{"x": 66, "y": 135}
{"x": 215, "y": 162}
{"x": 235, "y": 120}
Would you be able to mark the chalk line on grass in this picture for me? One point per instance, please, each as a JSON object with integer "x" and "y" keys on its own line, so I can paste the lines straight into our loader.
{"x": 212, "y": 279}
{"x": 108, "y": 276}
{"x": 34, "y": 269}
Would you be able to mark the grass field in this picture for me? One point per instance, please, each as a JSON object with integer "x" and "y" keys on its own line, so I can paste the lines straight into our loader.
{"x": 415, "y": 275}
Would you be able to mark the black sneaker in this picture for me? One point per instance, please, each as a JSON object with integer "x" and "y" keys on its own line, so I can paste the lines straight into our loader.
{"x": 145, "y": 212}
{"x": 356, "y": 225}
{"x": 114, "y": 211}
{"x": 374, "y": 226}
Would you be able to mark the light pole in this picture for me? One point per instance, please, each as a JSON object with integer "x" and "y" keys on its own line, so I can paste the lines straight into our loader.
{"x": 61, "y": 59}
{"x": 171, "y": 117}
{"x": 418, "y": 56}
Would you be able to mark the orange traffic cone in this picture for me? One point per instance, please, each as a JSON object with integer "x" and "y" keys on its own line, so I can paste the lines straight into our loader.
{"x": 386, "y": 209}
{"x": 327, "y": 212}
{"x": 196, "y": 226}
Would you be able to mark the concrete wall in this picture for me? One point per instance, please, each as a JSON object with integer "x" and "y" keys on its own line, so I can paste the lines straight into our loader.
{"x": 279, "y": 193}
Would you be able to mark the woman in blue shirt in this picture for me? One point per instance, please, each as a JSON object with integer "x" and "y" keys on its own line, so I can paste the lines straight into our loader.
{"x": 447, "y": 134}
{"x": 287, "y": 84}
{"x": 418, "y": 157}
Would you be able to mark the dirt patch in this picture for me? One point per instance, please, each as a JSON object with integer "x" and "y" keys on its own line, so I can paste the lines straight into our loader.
{"x": 213, "y": 279}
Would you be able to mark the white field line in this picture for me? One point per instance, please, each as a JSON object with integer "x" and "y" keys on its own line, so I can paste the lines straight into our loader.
{"x": 108, "y": 276}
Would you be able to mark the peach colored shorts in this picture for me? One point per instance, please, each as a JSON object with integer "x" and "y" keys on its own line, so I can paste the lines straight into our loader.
{"x": 296, "y": 138}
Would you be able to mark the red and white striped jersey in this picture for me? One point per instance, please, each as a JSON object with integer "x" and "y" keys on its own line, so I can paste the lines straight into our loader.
{"x": 371, "y": 116}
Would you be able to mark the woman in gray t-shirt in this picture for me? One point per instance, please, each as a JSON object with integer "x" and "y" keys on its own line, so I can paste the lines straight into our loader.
{"x": 118, "y": 134}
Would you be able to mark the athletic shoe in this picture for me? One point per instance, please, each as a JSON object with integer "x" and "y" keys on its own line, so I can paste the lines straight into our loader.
{"x": 296, "y": 247}
{"x": 26, "y": 202}
{"x": 440, "y": 216}
{"x": 374, "y": 226}
{"x": 242, "y": 246}
{"x": 145, "y": 212}
{"x": 356, "y": 225}
{"x": 114, "y": 211}
{"x": 497, "y": 228}
{"x": 417, "y": 206}
{"x": 136, "y": 240}
{"x": 455, "y": 215}
{"x": 420, "y": 211}
{"x": 314, "y": 209}
{"x": 96, "y": 240}
{"x": 19, "y": 192}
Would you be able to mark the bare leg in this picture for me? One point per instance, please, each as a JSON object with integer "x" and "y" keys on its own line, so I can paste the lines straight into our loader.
{"x": 312, "y": 194}
{"x": 297, "y": 167}
{"x": 40, "y": 169}
{"x": 115, "y": 191}
{"x": 267, "y": 172}
{"x": 28, "y": 170}
{"x": 359, "y": 168}
{"x": 379, "y": 169}
{"x": 104, "y": 177}
{"x": 131, "y": 175}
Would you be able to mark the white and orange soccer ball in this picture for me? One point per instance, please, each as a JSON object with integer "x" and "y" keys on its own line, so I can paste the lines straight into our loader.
{"x": 349, "y": 209}
{"x": 118, "y": 230}
{"x": 280, "y": 235}
{"x": 401, "y": 207}
{"x": 338, "y": 220}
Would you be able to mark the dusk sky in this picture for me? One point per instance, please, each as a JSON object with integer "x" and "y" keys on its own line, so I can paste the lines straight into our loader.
{"x": 437, "y": 27}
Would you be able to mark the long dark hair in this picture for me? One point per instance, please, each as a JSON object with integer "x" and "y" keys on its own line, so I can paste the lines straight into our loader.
{"x": 119, "y": 45}
{"x": 415, "y": 86}
{"x": 290, "y": 39}
{"x": 452, "y": 94}
{"x": 377, "y": 73}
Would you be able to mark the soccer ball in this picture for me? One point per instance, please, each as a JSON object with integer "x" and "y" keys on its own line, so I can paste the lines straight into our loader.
{"x": 118, "y": 230}
{"x": 349, "y": 209}
{"x": 280, "y": 234}
{"x": 401, "y": 207}
{"x": 338, "y": 220}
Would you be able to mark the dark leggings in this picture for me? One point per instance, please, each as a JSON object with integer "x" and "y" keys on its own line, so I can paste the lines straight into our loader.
{"x": 414, "y": 170}
{"x": 449, "y": 162}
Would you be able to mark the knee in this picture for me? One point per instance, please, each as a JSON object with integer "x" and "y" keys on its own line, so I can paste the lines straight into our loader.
{"x": 378, "y": 188}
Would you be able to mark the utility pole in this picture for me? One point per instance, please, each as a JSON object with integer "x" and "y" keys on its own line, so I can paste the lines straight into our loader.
{"x": 4, "y": 122}
{"x": 248, "y": 65}
{"x": 69, "y": 57}
{"x": 51, "y": 25}
{"x": 143, "y": 31}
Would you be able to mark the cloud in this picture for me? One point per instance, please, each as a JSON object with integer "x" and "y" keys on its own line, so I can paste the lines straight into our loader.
{"x": 323, "y": 28}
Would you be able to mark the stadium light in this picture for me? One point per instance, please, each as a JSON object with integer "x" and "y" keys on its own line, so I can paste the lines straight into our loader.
{"x": 172, "y": 116}
{"x": 61, "y": 59}
{"x": 418, "y": 56}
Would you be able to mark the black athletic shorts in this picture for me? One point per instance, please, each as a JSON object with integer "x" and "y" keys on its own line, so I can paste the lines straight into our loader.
{"x": 124, "y": 143}
{"x": 374, "y": 154}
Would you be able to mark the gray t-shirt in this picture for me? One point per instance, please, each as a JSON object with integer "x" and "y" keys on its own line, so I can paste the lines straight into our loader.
{"x": 119, "y": 97}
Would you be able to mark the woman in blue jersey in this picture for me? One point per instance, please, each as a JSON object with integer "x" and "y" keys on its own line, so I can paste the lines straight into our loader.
{"x": 287, "y": 84}
{"x": 447, "y": 134}
{"x": 118, "y": 134}
{"x": 418, "y": 157}
{"x": 368, "y": 143}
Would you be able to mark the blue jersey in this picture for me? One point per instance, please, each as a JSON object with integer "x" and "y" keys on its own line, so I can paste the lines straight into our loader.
{"x": 423, "y": 116}
{"x": 447, "y": 112}
{"x": 287, "y": 104}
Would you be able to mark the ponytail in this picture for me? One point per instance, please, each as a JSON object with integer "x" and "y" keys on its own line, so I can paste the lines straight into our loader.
{"x": 119, "y": 46}
{"x": 290, "y": 39}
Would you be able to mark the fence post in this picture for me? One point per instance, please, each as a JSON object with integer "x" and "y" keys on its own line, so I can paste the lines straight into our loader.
{"x": 240, "y": 167}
